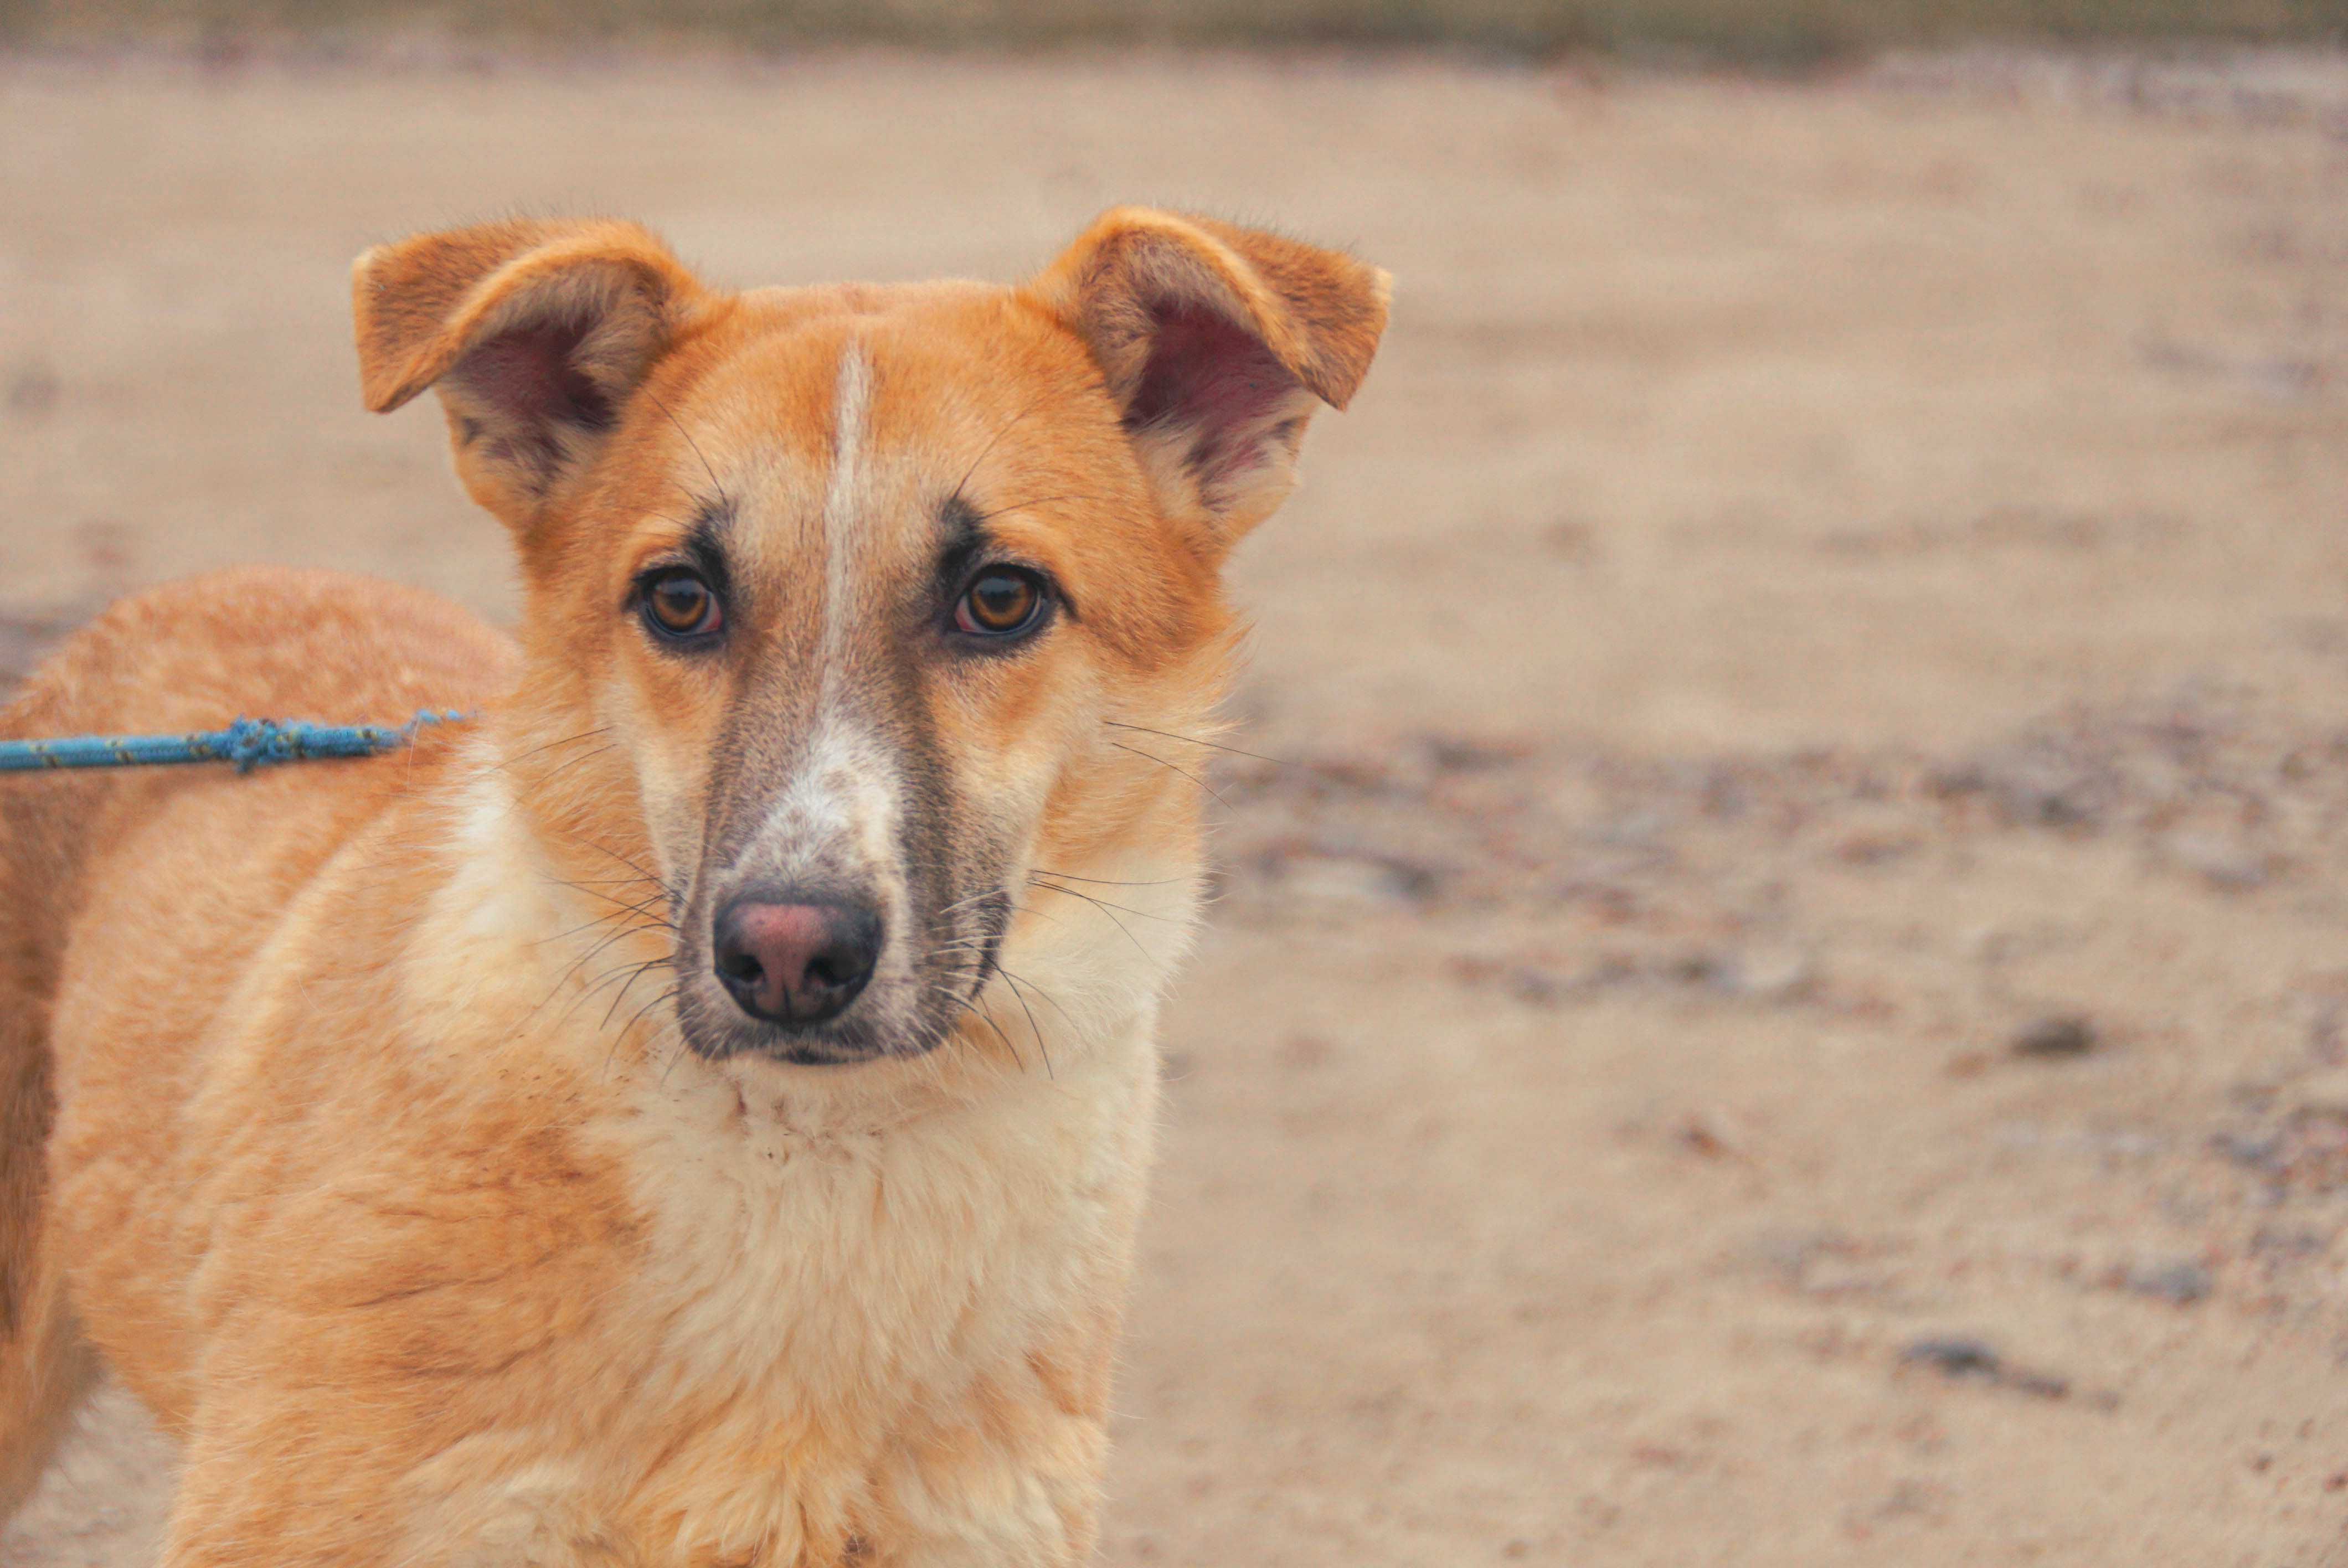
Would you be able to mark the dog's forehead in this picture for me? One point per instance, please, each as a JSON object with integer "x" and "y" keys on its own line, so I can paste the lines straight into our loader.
{"x": 864, "y": 408}
{"x": 940, "y": 361}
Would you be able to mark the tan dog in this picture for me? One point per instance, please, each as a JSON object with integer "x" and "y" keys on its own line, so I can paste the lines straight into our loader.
{"x": 694, "y": 1113}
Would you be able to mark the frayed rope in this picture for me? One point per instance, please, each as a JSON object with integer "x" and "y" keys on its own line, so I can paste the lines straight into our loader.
{"x": 249, "y": 743}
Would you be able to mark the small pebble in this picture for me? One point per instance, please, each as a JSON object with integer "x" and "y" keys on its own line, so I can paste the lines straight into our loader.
{"x": 1953, "y": 1358}
{"x": 2181, "y": 1284}
{"x": 1698, "y": 1133}
{"x": 2058, "y": 1034}
{"x": 2040, "y": 1384}
{"x": 1770, "y": 975}
{"x": 2256, "y": 1151}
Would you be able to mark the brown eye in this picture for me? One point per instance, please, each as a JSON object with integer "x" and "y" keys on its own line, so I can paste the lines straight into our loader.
{"x": 678, "y": 604}
{"x": 1000, "y": 603}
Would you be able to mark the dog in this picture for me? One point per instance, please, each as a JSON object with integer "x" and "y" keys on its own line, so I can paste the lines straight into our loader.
{"x": 695, "y": 1110}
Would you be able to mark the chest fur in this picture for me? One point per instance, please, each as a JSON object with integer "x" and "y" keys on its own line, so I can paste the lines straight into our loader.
{"x": 819, "y": 1305}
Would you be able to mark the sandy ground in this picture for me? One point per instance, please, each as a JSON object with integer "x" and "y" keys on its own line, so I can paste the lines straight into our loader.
{"x": 1787, "y": 1004}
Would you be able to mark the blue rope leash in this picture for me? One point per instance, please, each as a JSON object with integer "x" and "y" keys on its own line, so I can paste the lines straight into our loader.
{"x": 249, "y": 743}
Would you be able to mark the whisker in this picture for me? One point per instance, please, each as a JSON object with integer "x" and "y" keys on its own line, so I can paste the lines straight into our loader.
{"x": 672, "y": 1060}
{"x": 592, "y": 953}
{"x": 993, "y": 442}
{"x": 622, "y": 913}
{"x": 714, "y": 482}
{"x": 569, "y": 762}
{"x": 1163, "y": 762}
{"x": 1065, "y": 1015}
{"x": 1104, "y": 882}
{"x": 961, "y": 904}
{"x": 623, "y": 859}
{"x": 567, "y": 740}
{"x": 620, "y": 1039}
{"x": 1105, "y": 909}
{"x": 1138, "y": 914}
{"x": 1196, "y": 740}
{"x": 637, "y": 907}
{"x": 610, "y": 976}
{"x": 647, "y": 964}
{"x": 644, "y": 925}
{"x": 1031, "y": 505}
{"x": 972, "y": 1008}
{"x": 1041, "y": 1049}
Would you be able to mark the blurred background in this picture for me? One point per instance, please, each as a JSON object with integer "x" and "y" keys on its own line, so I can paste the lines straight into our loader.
{"x": 1785, "y": 1002}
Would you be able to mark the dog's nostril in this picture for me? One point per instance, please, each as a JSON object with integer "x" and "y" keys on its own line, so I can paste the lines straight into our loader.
{"x": 794, "y": 963}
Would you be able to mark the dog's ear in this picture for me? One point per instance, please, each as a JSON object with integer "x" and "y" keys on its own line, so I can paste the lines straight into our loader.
{"x": 534, "y": 333}
{"x": 1216, "y": 342}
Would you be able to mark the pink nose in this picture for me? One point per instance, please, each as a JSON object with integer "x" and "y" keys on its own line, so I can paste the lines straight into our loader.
{"x": 794, "y": 963}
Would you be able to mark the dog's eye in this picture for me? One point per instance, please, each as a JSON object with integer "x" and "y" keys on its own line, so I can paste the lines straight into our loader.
{"x": 677, "y": 604}
{"x": 1001, "y": 601}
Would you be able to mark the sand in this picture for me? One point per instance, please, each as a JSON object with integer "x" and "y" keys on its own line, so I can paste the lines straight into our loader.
{"x": 1786, "y": 1002}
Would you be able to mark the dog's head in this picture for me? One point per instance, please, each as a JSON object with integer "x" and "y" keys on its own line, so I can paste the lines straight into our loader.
{"x": 870, "y": 625}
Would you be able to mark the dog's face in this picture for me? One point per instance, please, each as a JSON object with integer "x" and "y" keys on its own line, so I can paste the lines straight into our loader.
{"x": 865, "y": 622}
{"x": 874, "y": 596}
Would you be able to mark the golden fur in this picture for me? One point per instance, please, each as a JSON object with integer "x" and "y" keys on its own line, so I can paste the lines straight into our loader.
{"x": 346, "y": 1111}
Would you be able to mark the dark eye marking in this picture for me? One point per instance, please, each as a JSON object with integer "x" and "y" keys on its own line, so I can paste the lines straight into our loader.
{"x": 991, "y": 605}
{"x": 681, "y": 598}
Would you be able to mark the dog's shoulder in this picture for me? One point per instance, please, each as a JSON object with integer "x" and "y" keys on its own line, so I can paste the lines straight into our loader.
{"x": 274, "y": 641}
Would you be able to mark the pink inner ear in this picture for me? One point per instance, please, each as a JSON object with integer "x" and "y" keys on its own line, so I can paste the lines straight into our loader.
{"x": 527, "y": 374}
{"x": 1206, "y": 374}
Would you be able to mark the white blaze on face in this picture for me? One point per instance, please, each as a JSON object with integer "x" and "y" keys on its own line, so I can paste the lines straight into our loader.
{"x": 843, "y": 507}
{"x": 834, "y": 828}
{"x": 835, "y": 824}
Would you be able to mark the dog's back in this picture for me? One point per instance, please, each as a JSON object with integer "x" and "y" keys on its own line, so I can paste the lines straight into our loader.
{"x": 262, "y": 641}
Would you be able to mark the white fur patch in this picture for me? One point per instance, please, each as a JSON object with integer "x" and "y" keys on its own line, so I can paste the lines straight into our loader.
{"x": 822, "y": 1266}
{"x": 488, "y": 920}
{"x": 843, "y": 506}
